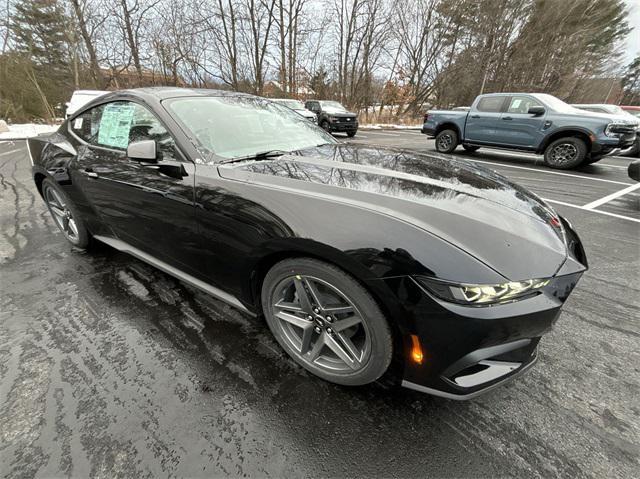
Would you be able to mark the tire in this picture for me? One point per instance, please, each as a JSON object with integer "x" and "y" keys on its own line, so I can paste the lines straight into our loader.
{"x": 325, "y": 126}
{"x": 471, "y": 148}
{"x": 446, "y": 141}
{"x": 316, "y": 334}
{"x": 351, "y": 134}
{"x": 65, "y": 214}
{"x": 565, "y": 153}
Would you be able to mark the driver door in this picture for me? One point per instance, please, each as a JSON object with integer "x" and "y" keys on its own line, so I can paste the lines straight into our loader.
{"x": 142, "y": 204}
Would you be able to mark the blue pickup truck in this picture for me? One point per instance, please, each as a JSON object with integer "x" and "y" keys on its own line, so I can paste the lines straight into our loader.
{"x": 534, "y": 122}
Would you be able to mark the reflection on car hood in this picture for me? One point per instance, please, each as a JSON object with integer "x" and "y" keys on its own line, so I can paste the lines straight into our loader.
{"x": 470, "y": 206}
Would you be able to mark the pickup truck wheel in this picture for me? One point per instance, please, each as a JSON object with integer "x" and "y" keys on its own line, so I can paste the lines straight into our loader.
{"x": 471, "y": 148}
{"x": 565, "y": 153}
{"x": 446, "y": 141}
{"x": 325, "y": 125}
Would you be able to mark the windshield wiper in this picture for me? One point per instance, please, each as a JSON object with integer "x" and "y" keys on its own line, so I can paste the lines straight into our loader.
{"x": 263, "y": 155}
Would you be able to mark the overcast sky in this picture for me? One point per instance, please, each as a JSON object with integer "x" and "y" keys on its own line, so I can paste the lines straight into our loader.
{"x": 633, "y": 40}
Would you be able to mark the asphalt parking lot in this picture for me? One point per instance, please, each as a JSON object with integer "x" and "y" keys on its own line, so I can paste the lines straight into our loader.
{"x": 109, "y": 367}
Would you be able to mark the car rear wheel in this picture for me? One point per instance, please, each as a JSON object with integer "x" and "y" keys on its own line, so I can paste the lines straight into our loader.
{"x": 565, "y": 153}
{"x": 446, "y": 141}
{"x": 471, "y": 148}
{"x": 326, "y": 321}
{"x": 65, "y": 214}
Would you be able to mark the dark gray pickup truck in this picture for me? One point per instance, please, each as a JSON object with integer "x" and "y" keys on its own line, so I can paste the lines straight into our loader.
{"x": 534, "y": 122}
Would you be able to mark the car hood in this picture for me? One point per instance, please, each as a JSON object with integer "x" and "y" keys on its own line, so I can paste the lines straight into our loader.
{"x": 339, "y": 113}
{"x": 500, "y": 223}
{"x": 605, "y": 117}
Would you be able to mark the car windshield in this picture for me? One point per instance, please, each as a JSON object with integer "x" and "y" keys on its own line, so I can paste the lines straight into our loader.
{"x": 332, "y": 105}
{"x": 556, "y": 103}
{"x": 242, "y": 126}
{"x": 293, "y": 104}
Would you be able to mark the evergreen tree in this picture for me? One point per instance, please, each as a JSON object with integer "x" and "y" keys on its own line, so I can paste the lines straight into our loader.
{"x": 39, "y": 36}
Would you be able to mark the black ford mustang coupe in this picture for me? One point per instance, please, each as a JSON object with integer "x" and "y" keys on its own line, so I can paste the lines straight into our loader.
{"x": 365, "y": 262}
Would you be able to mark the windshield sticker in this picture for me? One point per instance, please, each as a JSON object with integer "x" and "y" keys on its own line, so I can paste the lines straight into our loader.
{"x": 77, "y": 123}
{"x": 115, "y": 125}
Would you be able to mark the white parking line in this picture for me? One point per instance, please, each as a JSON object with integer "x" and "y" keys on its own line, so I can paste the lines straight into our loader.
{"x": 548, "y": 172}
{"x": 9, "y": 152}
{"x": 612, "y": 196}
{"x": 635, "y": 220}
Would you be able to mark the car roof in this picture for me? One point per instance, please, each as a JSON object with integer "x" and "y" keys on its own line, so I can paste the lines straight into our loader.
{"x": 162, "y": 93}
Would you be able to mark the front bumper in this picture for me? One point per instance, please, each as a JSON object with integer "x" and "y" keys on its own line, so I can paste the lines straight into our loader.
{"x": 469, "y": 350}
{"x": 607, "y": 145}
{"x": 343, "y": 126}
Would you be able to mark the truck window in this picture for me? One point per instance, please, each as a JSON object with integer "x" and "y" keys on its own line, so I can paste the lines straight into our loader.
{"x": 521, "y": 104}
{"x": 491, "y": 104}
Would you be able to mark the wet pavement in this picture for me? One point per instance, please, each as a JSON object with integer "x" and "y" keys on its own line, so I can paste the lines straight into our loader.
{"x": 109, "y": 367}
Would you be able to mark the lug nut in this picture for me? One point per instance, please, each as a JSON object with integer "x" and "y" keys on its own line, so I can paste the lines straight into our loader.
{"x": 310, "y": 318}
{"x": 317, "y": 329}
{"x": 329, "y": 331}
{"x": 316, "y": 310}
{"x": 329, "y": 319}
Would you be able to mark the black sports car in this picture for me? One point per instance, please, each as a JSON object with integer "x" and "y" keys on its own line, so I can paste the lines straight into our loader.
{"x": 365, "y": 262}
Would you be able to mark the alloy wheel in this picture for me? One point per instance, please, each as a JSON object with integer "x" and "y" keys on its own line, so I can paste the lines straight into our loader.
{"x": 444, "y": 142}
{"x": 321, "y": 324}
{"x": 62, "y": 214}
{"x": 564, "y": 153}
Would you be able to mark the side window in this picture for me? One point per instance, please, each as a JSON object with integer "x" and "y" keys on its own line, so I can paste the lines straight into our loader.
{"x": 115, "y": 125}
{"x": 521, "y": 104}
{"x": 492, "y": 104}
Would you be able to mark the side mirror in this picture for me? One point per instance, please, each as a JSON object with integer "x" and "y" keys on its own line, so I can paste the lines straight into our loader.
{"x": 142, "y": 150}
{"x": 536, "y": 110}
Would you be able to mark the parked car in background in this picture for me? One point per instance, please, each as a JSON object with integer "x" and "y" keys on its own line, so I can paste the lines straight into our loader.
{"x": 79, "y": 98}
{"x": 360, "y": 259}
{"x": 536, "y": 122}
{"x": 634, "y": 150}
{"x": 334, "y": 117}
{"x": 298, "y": 107}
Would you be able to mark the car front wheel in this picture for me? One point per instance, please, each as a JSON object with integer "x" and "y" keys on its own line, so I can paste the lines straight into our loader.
{"x": 325, "y": 125}
{"x": 326, "y": 321}
{"x": 565, "y": 153}
{"x": 65, "y": 214}
{"x": 446, "y": 141}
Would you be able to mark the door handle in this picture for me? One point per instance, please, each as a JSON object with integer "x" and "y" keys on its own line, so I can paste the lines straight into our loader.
{"x": 507, "y": 118}
{"x": 475, "y": 116}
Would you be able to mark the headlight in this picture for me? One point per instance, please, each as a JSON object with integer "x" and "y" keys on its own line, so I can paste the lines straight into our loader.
{"x": 617, "y": 128}
{"x": 482, "y": 294}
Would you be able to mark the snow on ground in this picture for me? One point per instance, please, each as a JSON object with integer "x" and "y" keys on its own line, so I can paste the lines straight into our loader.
{"x": 389, "y": 126}
{"x": 19, "y": 132}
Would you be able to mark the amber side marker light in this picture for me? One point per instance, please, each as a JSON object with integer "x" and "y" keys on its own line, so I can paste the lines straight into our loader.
{"x": 416, "y": 350}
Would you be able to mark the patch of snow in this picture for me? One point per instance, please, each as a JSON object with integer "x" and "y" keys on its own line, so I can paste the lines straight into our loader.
{"x": 390, "y": 126}
{"x": 27, "y": 130}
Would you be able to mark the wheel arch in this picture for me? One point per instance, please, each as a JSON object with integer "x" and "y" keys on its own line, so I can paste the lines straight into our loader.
{"x": 449, "y": 125}
{"x": 580, "y": 133}
{"x": 378, "y": 289}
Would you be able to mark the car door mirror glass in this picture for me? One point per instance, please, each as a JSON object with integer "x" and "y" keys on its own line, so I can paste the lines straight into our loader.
{"x": 143, "y": 150}
{"x": 536, "y": 110}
